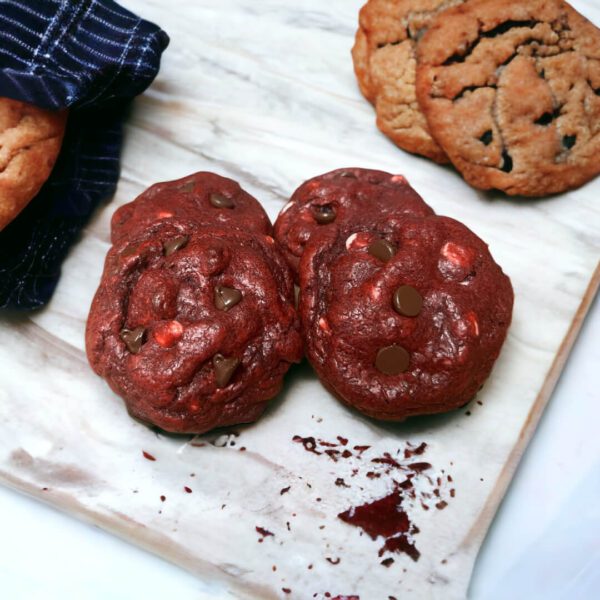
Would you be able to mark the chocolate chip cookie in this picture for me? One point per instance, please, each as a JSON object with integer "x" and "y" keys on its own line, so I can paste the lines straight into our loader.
{"x": 194, "y": 326}
{"x": 341, "y": 197}
{"x": 403, "y": 318}
{"x": 384, "y": 57}
{"x": 511, "y": 91}
{"x": 205, "y": 198}
{"x": 30, "y": 141}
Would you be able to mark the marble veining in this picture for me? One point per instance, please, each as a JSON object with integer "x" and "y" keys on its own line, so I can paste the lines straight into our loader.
{"x": 265, "y": 93}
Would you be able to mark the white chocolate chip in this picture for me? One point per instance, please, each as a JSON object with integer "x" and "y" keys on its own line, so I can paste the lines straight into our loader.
{"x": 474, "y": 324}
{"x": 358, "y": 241}
{"x": 455, "y": 254}
{"x": 375, "y": 292}
{"x": 350, "y": 241}
{"x": 324, "y": 325}
{"x": 286, "y": 207}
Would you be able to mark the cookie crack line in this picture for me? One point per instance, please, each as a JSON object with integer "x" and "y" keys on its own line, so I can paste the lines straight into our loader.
{"x": 15, "y": 153}
{"x": 501, "y": 29}
{"x": 423, "y": 15}
{"x": 568, "y": 142}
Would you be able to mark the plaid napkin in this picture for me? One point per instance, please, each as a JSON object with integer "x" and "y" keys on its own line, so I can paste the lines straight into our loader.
{"x": 92, "y": 56}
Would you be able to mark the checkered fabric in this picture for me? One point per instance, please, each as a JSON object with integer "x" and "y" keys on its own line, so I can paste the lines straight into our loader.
{"x": 93, "y": 57}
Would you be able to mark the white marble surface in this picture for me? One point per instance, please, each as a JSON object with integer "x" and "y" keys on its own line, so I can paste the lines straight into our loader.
{"x": 266, "y": 94}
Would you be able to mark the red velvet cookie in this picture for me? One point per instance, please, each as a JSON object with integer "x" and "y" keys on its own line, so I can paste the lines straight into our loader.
{"x": 403, "y": 318}
{"x": 194, "y": 327}
{"x": 342, "y": 197}
{"x": 204, "y": 198}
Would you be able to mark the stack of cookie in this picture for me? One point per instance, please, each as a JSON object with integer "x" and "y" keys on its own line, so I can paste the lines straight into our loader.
{"x": 403, "y": 312}
{"x": 194, "y": 322}
{"x": 506, "y": 90}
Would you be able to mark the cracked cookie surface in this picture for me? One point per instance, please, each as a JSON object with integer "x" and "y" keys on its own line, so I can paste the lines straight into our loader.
{"x": 404, "y": 317}
{"x": 511, "y": 91}
{"x": 194, "y": 327}
{"x": 384, "y": 56}
{"x": 204, "y": 198}
{"x": 30, "y": 141}
{"x": 341, "y": 197}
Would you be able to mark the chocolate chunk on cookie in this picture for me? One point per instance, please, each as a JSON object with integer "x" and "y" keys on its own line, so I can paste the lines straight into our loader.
{"x": 413, "y": 333}
{"x": 384, "y": 57}
{"x": 194, "y": 335}
{"x": 510, "y": 92}
{"x": 341, "y": 197}
{"x": 30, "y": 141}
{"x": 204, "y": 198}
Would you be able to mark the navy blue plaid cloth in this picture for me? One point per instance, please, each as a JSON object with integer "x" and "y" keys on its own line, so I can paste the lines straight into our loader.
{"x": 93, "y": 57}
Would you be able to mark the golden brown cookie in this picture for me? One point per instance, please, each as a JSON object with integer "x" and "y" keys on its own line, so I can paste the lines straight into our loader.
{"x": 385, "y": 64}
{"x": 511, "y": 91}
{"x": 30, "y": 140}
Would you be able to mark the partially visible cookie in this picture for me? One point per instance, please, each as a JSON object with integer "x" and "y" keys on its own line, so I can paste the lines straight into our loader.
{"x": 511, "y": 91}
{"x": 360, "y": 57}
{"x": 340, "y": 197}
{"x": 385, "y": 64}
{"x": 403, "y": 318}
{"x": 204, "y": 198}
{"x": 193, "y": 326}
{"x": 30, "y": 141}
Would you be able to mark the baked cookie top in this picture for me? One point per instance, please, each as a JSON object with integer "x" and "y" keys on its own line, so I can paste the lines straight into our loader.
{"x": 30, "y": 141}
{"x": 194, "y": 326}
{"x": 403, "y": 318}
{"x": 511, "y": 91}
{"x": 384, "y": 57}
{"x": 341, "y": 197}
{"x": 204, "y": 198}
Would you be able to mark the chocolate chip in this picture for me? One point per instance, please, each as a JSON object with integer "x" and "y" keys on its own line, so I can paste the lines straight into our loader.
{"x": 507, "y": 162}
{"x": 382, "y": 249}
{"x": 569, "y": 141}
{"x": 175, "y": 244}
{"x": 131, "y": 250}
{"x": 547, "y": 118}
{"x": 226, "y": 297}
{"x": 224, "y": 369}
{"x": 133, "y": 339}
{"x": 220, "y": 201}
{"x": 324, "y": 214}
{"x": 392, "y": 360}
{"x": 187, "y": 187}
{"x": 487, "y": 138}
{"x": 348, "y": 174}
{"x": 407, "y": 301}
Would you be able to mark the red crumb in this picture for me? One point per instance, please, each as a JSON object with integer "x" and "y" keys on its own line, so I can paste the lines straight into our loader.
{"x": 264, "y": 532}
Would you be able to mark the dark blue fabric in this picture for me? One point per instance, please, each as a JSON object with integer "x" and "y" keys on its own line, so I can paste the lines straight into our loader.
{"x": 91, "y": 56}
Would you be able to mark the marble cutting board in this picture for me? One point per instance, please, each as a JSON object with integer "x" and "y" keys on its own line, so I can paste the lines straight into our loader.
{"x": 265, "y": 93}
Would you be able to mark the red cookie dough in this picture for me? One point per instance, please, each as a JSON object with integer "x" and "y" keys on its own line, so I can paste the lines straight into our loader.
{"x": 344, "y": 196}
{"x": 404, "y": 318}
{"x": 204, "y": 198}
{"x": 194, "y": 327}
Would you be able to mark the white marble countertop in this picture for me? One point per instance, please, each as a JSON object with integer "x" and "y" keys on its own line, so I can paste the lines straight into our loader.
{"x": 543, "y": 543}
{"x": 232, "y": 105}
